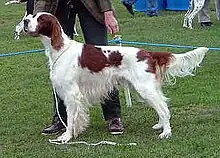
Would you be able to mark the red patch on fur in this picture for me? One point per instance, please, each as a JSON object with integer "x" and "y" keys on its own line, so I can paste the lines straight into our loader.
{"x": 49, "y": 26}
{"x": 154, "y": 59}
{"x": 94, "y": 59}
{"x": 115, "y": 58}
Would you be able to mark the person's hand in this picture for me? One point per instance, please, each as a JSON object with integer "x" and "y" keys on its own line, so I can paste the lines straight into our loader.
{"x": 110, "y": 22}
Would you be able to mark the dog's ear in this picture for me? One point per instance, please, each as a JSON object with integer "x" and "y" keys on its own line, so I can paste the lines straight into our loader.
{"x": 49, "y": 26}
{"x": 56, "y": 36}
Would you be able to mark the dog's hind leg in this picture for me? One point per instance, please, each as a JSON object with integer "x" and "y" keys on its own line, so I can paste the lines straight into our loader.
{"x": 77, "y": 115}
{"x": 195, "y": 11}
{"x": 186, "y": 16}
{"x": 159, "y": 125}
{"x": 149, "y": 92}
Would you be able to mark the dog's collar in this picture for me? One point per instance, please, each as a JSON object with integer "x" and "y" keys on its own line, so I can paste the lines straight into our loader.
{"x": 55, "y": 61}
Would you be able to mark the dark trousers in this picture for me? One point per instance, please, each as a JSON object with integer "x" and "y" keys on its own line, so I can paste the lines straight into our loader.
{"x": 30, "y": 6}
{"x": 94, "y": 33}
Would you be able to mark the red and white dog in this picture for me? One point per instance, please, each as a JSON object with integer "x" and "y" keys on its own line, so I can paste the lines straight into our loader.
{"x": 83, "y": 74}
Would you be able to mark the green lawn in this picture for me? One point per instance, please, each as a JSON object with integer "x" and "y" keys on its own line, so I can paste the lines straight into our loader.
{"x": 26, "y": 101}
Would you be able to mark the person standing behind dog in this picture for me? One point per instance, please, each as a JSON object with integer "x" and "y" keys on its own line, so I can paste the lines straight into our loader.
{"x": 95, "y": 17}
{"x": 203, "y": 15}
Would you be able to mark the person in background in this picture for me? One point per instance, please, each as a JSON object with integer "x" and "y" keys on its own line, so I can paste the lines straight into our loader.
{"x": 96, "y": 17}
{"x": 29, "y": 5}
{"x": 203, "y": 15}
{"x": 129, "y": 5}
{"x": 151, "y": 7}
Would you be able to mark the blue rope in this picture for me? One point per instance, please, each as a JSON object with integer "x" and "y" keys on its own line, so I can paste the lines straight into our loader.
{"x": 21, "y": 53}
{"x": 117, "y": 41}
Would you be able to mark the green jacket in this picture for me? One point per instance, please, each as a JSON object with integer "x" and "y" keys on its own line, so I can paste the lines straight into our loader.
{"x": 95, "y": 7}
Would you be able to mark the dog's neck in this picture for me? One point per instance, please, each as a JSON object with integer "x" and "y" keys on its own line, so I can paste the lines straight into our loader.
{"x": 53, "y": 53}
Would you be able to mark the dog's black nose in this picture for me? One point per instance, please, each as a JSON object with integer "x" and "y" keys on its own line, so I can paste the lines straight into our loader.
{"x": 26, "y": 21}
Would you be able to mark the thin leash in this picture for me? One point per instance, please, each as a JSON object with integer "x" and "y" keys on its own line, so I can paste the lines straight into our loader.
{"x": 57, "y": 108}
{"x": 58, "y": 57}
{"x": 93, "y": 144}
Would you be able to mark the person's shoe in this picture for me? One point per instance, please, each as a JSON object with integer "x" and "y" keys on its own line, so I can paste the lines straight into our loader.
{"x": 115, "y": 126}
{"x": 129, "y": 7}
{"x": 151, "y": 13}
{"x": 206, "y": 24}
{"x": 55, "y": 128}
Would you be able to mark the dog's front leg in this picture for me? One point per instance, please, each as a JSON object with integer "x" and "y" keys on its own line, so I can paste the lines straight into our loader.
{"x": 186, "y": 18}
{"x": 66, "y": 136}
{"x": 77, "y": 115}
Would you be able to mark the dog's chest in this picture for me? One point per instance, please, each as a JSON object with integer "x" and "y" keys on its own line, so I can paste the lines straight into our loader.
{"x": 62, "y": 76}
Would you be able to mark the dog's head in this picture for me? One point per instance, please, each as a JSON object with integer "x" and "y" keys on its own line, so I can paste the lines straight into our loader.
{"x": 45, "y": 25}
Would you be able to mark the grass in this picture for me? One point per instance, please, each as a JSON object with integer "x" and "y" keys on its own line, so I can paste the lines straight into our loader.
{"x": 26, "y": 100}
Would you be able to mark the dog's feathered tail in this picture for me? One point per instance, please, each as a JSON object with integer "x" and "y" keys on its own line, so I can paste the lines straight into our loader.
{"x": 184, "y": 64}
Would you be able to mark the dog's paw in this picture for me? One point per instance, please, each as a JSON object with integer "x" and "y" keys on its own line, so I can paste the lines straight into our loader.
{"x": 16, "y": 36}
{"x": 185, "y": 25}
{"x": 157, "y": 126}
{"x": 65, "y": 137}
{"x": 165, "y": 134}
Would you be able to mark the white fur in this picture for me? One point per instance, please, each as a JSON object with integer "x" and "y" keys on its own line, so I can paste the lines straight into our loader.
{"x": 194, "y": 8}
{"x": 79, "y": 88}
{"x": 184, "y": 64}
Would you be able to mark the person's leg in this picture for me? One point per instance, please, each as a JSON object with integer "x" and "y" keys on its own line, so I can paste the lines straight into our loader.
{"x": 217, "y": 9}
{"x": 30, "y": 7}
{"x": 203, "y": 15}
{"x": 152, "y": 7}
{"x": 57, "y": 126}
{"x": 129, "y": 5}
{"x": 62, "y": 15}
{"x": 72, "y": 20}
{"x": 96, "y": 33}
